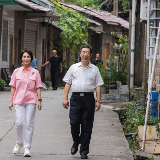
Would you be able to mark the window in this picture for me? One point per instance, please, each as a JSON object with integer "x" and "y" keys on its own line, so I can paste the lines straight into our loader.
{"x": 5, "y": 41}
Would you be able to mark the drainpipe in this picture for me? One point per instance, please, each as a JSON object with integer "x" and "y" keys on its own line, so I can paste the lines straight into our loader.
{"x": 132, "y": 44}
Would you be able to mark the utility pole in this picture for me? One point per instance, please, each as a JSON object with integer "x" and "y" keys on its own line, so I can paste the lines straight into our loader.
{"x": 115, "y": 7}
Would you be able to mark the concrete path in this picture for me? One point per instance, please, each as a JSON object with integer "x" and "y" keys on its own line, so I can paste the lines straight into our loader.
{"x": 52, "y": 138}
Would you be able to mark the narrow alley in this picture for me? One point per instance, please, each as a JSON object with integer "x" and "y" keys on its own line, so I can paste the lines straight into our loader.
{"x": 52, "y": 138}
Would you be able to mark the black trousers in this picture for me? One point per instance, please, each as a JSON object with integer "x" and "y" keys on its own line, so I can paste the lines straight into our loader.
{"x": 54, "y": 78}
{"x": 82, "y": 110}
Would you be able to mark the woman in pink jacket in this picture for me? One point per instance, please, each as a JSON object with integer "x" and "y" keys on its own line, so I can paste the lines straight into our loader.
{"x": 25, "y": 87}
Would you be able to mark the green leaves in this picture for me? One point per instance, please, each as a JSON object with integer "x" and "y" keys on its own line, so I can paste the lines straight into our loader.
{"x": 2, "y": 83}
{"x": 104, "y": 74}
{"x": 125, "y": 4}
{"x": 75, "y": 30}
{"x": 135, "y": 113}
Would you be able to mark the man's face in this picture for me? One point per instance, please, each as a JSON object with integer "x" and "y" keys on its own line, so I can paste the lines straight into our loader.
{"x": 54, "y": 53}
{"x": 85, "y": 55}
{"x": 97, "y": 56}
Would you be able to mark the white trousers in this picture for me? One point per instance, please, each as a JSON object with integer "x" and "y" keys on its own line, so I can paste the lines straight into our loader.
{"x": 25, "y": 111}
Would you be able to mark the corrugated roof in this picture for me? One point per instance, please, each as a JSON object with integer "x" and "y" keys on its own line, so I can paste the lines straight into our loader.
{"x": 33, "y": 5}
{"x": 103, "y": 15}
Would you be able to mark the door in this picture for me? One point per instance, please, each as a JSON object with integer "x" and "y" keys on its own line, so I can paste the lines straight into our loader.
{"x": 31, "y": 35}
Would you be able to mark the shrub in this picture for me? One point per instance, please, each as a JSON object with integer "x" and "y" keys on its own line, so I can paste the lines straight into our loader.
{"x": 2, "y": 83}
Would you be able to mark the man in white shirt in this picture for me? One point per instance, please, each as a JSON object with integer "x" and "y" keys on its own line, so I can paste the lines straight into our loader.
{"x": 82, "y": 78}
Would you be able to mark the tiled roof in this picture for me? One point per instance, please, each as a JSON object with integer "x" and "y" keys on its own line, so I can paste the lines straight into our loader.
{"x": 103, "y": 15}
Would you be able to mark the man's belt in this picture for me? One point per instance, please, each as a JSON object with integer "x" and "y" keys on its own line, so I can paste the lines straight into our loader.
{"x": 82, "y": 93}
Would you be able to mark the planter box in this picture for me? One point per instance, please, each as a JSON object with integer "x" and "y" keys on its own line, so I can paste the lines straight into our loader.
{"x": 151, "y": 133}
{"x": 103, "y": 90}
{"x": 120, "y": 94}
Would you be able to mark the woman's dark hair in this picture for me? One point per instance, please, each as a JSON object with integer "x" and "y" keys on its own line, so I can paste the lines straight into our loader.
{"x": 27, "y": 51}
{"x": 86, "y": 46}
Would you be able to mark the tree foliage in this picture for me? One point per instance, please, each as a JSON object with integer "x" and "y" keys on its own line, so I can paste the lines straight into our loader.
{"x": 82, "y": 3}
{"x": 125, "y": 4}
{"x": 94, "y": 3}
{"x": 75, "y": 31}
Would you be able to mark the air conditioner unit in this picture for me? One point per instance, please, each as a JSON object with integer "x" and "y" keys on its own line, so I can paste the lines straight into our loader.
{"x": 143, "y": 10}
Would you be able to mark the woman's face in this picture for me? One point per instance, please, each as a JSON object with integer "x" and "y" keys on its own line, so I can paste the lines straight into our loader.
{"x": 26, "y": 59}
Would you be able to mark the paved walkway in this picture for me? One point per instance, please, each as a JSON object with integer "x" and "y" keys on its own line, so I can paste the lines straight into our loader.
{"x": 52, "y": 138}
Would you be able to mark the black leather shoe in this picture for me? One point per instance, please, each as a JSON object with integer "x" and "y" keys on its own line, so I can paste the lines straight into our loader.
{"x": 74, "y": 149}
{"x": 84, "y": 156}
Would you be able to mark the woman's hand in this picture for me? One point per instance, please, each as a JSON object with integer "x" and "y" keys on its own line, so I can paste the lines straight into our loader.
{"x": 10, "y": 105}
{"x": 39, "y": 105}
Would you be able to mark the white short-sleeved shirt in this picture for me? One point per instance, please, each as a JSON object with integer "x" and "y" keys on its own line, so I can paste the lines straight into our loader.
{"x": 83, "y": 79}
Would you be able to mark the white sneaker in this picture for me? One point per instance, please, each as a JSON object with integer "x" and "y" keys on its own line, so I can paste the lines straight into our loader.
{"x": 17, "y": 147}
{"x": 27, "y": 152}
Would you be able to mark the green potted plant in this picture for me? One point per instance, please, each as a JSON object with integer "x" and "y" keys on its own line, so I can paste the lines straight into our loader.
{"x": 125, "y": 47}
{"x": 116, "y": 48}
{"x": 113, "y": 73}
{"x": 104, "y": 74}
{"x": 2, "y": 84}
{"x": 122, "y": 72}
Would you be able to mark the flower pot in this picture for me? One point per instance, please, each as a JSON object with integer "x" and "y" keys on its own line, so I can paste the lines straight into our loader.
{"x": 103, "y": 90}
{"x": 113, "y": 85}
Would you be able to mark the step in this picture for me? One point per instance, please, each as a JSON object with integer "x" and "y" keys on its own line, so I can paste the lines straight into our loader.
{"x": 154, "y": 9}
{"x": 153, "y": 27}
{"x": 154, "y": 18}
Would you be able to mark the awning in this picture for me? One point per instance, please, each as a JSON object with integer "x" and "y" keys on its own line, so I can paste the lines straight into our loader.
{"x": 94, "y": 22}
{"x": 113, "y": 23}
{"x": 8, "y": 2}
{"x": 96, "y": 30}
{"x": 33, "y": 5}
{"x": 56, "y": 25}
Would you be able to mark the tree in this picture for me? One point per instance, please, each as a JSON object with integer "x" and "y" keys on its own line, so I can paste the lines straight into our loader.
{"x": 82, "y": 3}
{"x": 75, "y": 31}
{"x": 94, "y": 3}
{"x": 89, "y": 3}
{"x": 125, "y": 4}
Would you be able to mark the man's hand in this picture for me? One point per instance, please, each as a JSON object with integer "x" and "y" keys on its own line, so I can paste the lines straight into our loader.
{"x": 65, "y": 103}
{"x": 43, "y": 65}
{"x": 10, "y": 105}
{"x": 60, "y": 71}
{"x": 39, "y": 105}
{"x": 97, "y": 106}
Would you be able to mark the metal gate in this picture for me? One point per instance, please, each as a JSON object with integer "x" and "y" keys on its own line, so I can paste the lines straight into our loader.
{"x": 31, "y": 35}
